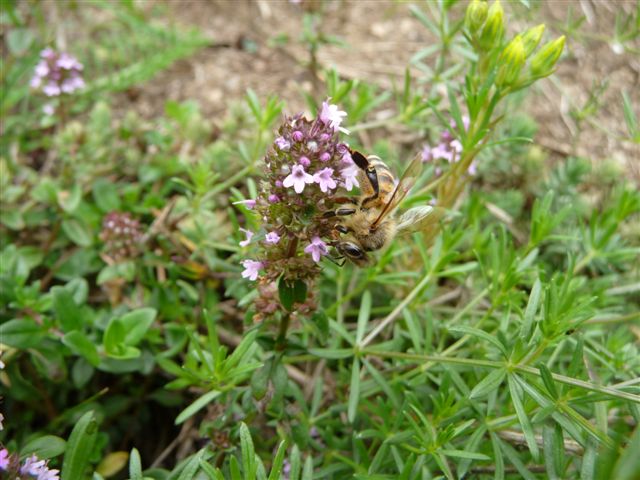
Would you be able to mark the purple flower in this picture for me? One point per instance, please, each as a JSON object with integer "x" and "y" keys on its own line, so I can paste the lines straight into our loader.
{"x": 330, "y": 115}
{"x": 249, "y": 235}
{"x": 273, "y": 198}
{"x": 48, "y": 109}
{"x": 272, "y": 237}
{"x": 47, "y": 53}
{"x": 473, "y": 168}
{"x": 317, "y": 248}
{"x": 324, "y": 179}
{"x": 4, "y": 459}
{"x": 297, "y": 136}
{"x": 325, "y": 157}
{"x": 51, "y": 89}
{"x": 247, "y": 203}
{"x": 47, "y": 474}
{"x": 57, "y": 73}
{"x": 442, "y": 151}
{"x": 32, "y": 466}
{"x": 282, "y": 143}
{"x": 42, "y": 69}
{"x": 427, "y": 155}
{"x": 350, "y": 177}
{"x": 68, "y": 62}
{"x": 297, "y": 179}
{"x": 304, "y": 161}
{"x": 465, "y": 122}
{"x": 251, "y": 268}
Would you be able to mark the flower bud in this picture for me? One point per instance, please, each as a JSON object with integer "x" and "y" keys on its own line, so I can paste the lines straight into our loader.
{"x": 476, "y": 15}
{"x": 512, "y": 60}
{"x": 531, "y": 39}
{"x": 494, "y": 27}
{"x": 542, "y": 63}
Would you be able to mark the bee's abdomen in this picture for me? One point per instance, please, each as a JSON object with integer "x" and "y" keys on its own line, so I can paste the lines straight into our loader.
{"x": 386, "y": 180}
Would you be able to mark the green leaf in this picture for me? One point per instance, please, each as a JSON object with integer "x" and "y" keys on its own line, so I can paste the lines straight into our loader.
{"x": 363, "y": 316}
{"x": 124, "y": 270}
{"x": 488, "y": 384}
{"x": 21, "y": 333}
{"x": 332, "y": 353}
{"x": 191, "y": 467}
{"x": 521, "y": 413}
{"x": 78, "y": 232}
{"x": 19, "y": 40}
{"x": 105, "y": 196}
{"x": 547, "y": 379}
{"x": 113, "y": 339}
{"x": 249, "y": 466}
{"x": 135, "y": 465}
{"x": 276, "y": 467}
{"x": 69, "y": 201}
{"x": 532, "y": 308}
{"x": 47, "y": 446}
{"x": 552, "y": 448}
{"x": 235, "y": 469}
{"x": 465, "y": 454}
{"x": 80, "y": 344}
{"x": 628, "y": 466}
{"x": 68, "y": 314}
{"x": 199, "y": 404}
{"x": 246, "y": 343}
{"x": 480, "y": 334}
{"x": 354, "y": 390}
{"x": 136, "y": 324}
{"x": 299, "y": 291}
{"x": 291, "y": 292}
{"x": 260, "y": 379}
{"x": 80, "y": 447}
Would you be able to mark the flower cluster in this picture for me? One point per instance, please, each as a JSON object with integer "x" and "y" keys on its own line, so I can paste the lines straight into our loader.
{"x": 304, "y": 171}
{"x": 449, "y": 149}
{"x": 57, "y": 73}
{"x": 121, "y": 235}
{"x": 32, "y": 468}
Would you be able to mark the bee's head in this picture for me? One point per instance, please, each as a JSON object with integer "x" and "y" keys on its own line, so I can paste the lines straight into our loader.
{"x": 353, "y": 252}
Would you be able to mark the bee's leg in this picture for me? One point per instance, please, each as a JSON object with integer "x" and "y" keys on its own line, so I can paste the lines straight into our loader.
{"x": 336, "y": 260}
{"x": 340, "y": 212}
{"x": 370, "y": 171}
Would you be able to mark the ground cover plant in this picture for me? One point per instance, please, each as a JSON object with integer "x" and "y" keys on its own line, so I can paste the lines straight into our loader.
{"x": 205, "y": 274}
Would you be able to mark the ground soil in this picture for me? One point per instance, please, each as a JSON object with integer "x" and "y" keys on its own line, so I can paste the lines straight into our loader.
{"x": 379, "y": 39}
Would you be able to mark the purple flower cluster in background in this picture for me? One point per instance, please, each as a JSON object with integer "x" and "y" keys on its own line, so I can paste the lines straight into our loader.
{"x": 121, "y": 234}
{"x": 57, "y": 73}
{"x": 32, "y": 468}
{"x": 449, "y": 149}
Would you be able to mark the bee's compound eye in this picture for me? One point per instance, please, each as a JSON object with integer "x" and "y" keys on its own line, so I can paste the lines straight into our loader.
{"x": 352, "y": 250}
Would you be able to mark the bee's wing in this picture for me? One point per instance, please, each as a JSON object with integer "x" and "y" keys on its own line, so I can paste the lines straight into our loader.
{"x": 418, "y": 218}
{"x": 408, "y": 180}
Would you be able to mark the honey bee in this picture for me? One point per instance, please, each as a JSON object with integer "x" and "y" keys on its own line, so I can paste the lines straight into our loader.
{"x": 370, "y": 224}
